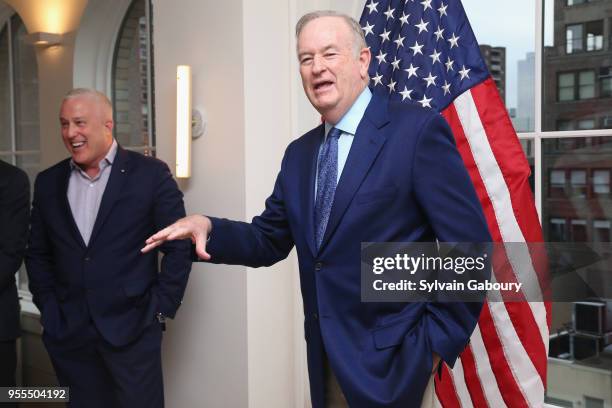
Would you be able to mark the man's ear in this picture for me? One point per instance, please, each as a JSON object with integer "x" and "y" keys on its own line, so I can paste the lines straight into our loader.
{"x": 109, "y": 124}
{"x": 364, "y": 62}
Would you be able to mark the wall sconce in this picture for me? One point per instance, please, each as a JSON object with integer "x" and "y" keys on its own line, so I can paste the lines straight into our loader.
{"x": 190, "y": 123}
{"x": 44, "y": 39}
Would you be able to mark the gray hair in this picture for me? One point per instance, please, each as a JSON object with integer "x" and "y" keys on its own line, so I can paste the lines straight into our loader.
{"x": 359, "y": 41}
{"x": 99, "y": 96}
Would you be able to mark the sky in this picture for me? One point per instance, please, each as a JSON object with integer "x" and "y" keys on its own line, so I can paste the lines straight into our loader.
{"x": 510, "y": 24}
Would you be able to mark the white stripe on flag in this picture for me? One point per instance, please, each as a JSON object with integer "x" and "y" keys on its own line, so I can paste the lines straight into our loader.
{"x": 525, "y": 373}
{"x": 460, "y": 387}
{"x": 485, "y": 371}
{"x": 498, "y": 193}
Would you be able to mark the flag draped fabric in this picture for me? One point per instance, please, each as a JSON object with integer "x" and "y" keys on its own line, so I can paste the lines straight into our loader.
{"x": 425, "y": 52}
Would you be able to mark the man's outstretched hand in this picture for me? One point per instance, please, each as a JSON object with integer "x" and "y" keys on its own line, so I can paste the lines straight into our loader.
{"x": 195, "y": 227}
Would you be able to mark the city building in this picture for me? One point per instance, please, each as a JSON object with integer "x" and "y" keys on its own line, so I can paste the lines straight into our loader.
{"x": 576, "y": 205}
{"x": 495, "y": 58}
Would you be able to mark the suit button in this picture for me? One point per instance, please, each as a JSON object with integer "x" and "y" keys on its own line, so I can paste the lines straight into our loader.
{"x": 315, "y": 316}
{"x": 87, "y": 259}
{"x": 318, "y": 266}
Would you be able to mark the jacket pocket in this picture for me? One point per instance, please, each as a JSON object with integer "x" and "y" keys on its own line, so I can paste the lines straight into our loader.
{"x": 393, "y": 334}
{"x": 138, "y": 292}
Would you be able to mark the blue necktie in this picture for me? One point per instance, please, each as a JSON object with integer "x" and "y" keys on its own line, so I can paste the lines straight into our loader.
{"x": 327, "y": 178}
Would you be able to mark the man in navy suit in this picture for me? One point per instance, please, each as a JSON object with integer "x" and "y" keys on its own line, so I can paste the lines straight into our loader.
{"x": 103, "y": 302}
{"x": 14, "y": 217}
{"x": 375, "y": 171}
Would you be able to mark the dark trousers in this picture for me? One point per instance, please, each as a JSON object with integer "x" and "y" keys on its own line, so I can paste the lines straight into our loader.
{"x": 8, "y": 365}
{"x": 101, "y": 375}
{"x": 8, "y": 362}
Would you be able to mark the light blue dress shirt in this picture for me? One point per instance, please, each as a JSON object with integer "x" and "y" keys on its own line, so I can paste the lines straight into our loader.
{"x": 348, "y": 125}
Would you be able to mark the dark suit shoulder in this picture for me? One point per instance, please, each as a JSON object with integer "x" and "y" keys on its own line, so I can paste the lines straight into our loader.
{"x": 12, "y": 173}
{"x": 143, "y": 160}
{"x": 54, "y": 170}
{"x": 312, "y": 136}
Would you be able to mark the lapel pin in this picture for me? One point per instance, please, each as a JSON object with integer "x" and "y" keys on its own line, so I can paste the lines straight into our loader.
{"x": 123, "y": 170}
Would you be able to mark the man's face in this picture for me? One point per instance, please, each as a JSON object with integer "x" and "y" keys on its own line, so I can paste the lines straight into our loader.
{"x": 332, "y": 75}
{"x": 86, "y": 130}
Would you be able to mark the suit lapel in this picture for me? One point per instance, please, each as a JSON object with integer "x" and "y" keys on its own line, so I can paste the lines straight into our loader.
{"x": 369, "y": 139}
{"x": 307, "y": 182}
{"x": 116, "y": 180}
{"x": 65, "y": 204}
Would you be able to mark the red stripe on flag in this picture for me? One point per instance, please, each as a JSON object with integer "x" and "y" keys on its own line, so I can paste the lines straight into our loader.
{"x": 510, "y": 391}
{"x": 445, "y": 390}
{"x": 471, "y": 379}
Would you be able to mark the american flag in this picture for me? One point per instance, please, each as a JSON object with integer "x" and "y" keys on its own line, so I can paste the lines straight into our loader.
{"x": 425, "y": 52}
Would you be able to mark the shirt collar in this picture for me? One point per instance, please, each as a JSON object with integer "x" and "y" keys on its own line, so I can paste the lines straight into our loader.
{"x": 349, "y": 122}
{"x": 108, "y": 159}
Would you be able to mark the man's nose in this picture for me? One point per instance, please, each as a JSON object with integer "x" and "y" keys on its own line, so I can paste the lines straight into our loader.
{"x": 71, "y": 131}
{"x": 318, "y": 65}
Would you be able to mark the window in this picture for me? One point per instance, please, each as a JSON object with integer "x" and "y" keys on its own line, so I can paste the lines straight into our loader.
{"x": 132, "y": 80}
{"x": 578, "y": 183}
{"x": 605, "y": 87}
{"x": 566, "y": 86}
{"x": 557, "y": 232}
{"x": 594, "y": 35}
{"x": 579, "y": 230}
{"x": 585, "y": 124}
{"x": 586, "y": 84}
{"x": 558, "y": 402}
{"x": 565, "y": 125}
{"x": 601, "y": 228}
{"x": 570, "y": 45}
{"x": 601, "y": 182}
{"x": 584, "y": 37}
{"x": 19, "y": 122}
{"x": 557, "y": 183}
{"x": 576, "y": 85}
{"x": 590, "y": 402}
{"x": 574, "y": 38}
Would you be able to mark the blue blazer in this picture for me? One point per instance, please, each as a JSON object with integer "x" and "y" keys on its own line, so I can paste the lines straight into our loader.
{"x": 403, "y": 181}
{"x": 108, "y": 281}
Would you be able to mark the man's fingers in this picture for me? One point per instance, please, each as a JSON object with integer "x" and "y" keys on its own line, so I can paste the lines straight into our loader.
{"x": 151, "y": 245}
{"x": 192, "y": 227}
{"x": 159, "y": 235}
{"x": 200, "y": 243}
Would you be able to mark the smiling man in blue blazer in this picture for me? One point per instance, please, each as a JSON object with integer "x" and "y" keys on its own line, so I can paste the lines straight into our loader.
{"x": 375, "y": 171}
{"x": 101, "y": 300}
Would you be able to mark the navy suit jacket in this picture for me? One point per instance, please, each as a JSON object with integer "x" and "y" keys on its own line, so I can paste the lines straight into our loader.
{"x": 403, "y": 181}
{"x": 14, "y": 212}
{"x": 108, "y": 281}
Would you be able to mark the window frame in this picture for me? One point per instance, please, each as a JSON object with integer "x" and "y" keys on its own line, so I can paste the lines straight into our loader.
{"x": 150, "y": 147}
{"x": 577, "y": 85}
{"x": 12, "y": 156}
{"x": 584, "y": 40}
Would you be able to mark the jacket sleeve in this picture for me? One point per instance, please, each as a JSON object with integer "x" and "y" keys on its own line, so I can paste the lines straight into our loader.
{"x": 14, "y": 216}
{"x": 263, "y": 242}
{"x": 447, "y": 195}
{"x": 39, "y": 255}
{"x": 176, "y": 260}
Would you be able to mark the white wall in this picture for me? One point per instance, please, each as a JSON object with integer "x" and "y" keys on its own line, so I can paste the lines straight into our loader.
{"x": 270, "y": 294}
{"x": 232, "y": 344}
{"x": 205, "y": 350}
